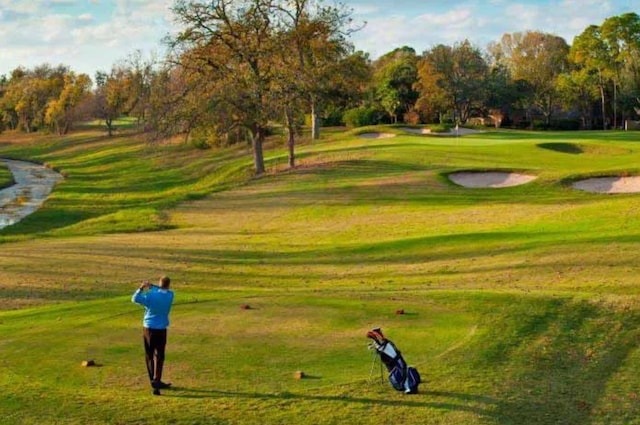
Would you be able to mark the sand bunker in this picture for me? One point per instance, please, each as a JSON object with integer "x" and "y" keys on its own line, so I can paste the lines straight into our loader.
{"x": 489, "y": 179}
{"x": 609, "y": 185}
{"x": 461, "y": 131}
{"x": 376, "y": 135}
{"x": 416, "y": 130}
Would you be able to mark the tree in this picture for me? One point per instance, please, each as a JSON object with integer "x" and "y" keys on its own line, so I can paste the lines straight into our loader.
{"x": 308, "y": 69}
{"x": 317, "y": 34}
{"x": 394, "y": 78}
{"x": 579, "y": 88}
{"x": 111, "y": 96}
{"x": 503, "y": 93}
{"x": 590, "y": 52}
{"x": 28, "y": 93}
{"x": 140, "y": 73}
{"x": 258, "y": 56}
{"x": 63, "y": 111}
{"x": 231, "y": 43}
{"x": 461, "y": 73}
{"x": 11, "y": 96}
{"x": 433, "y": 100}
{"x": 538, "y": 59}
{"x": 622, "y": 37}
{"x": 175, "y": 103}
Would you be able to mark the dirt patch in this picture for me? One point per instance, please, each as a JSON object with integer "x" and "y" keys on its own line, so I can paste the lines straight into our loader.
{"x": 609, "y": 184}
{"x": 492, "y": 179}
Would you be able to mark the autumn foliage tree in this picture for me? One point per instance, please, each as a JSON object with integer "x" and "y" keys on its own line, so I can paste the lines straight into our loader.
{"x": 259, "y": 57}
{"x": 111, "y": 96}
{"x": 43, "y": 97}
{"x": 230, "y": 43}
{"x": 457, "y": 75}
{"x": 537, "y": 59}
{"x": 63, "y": 111}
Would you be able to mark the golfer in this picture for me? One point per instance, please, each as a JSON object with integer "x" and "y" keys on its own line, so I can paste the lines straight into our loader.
{"x": 157, "y": 301}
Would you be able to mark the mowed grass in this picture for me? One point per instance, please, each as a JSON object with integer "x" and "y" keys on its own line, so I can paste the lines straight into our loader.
{"x": 119, "y": 184}
{"x": 521, "y": 303}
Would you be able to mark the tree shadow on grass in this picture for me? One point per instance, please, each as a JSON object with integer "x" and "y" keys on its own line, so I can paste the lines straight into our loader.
{"x": 570, "y": 148}
{"x": 459, "y": 401}
{"x": 565, "y": 366}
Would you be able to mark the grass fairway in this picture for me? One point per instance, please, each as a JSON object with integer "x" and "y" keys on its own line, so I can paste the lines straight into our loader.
{"x": 522, "y": 303}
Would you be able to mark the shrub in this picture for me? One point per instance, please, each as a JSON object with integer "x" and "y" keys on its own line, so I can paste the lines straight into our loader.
{"x": 202, "y": 138}
{"x": 566, "y": 124}
{"x": 412, "y": 117}
{"x": 333, "y": 117}
{"x": 440, "y": 128}
{"x": 539, "y": 125}
{"x": 360, "y": 117}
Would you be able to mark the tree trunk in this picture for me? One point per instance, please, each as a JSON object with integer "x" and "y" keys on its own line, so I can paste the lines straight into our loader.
{"x": 315, "y": 121}
{"x": 258, "y": 156}
{"x": 291, "y": 142}
{"x": 615, "y": 105}
{"x": 109, "y": 123}
{"x": 602, "y": 101}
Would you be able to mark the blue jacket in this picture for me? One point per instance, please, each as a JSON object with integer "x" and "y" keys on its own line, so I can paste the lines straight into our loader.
{"x": 157, "y": 305}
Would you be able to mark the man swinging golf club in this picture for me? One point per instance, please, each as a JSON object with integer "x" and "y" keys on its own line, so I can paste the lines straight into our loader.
{"x": 157, "y": 301}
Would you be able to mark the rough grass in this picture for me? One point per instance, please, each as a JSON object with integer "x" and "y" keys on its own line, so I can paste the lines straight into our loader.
{"x": 521, "y": 303}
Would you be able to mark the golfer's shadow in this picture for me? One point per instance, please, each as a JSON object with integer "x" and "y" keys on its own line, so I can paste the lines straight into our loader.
{"x": 414, "y": 400}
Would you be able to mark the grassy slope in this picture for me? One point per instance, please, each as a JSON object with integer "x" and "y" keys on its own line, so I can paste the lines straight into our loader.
{"x": 522, "y": 302}
{"x": 5, "y": 176}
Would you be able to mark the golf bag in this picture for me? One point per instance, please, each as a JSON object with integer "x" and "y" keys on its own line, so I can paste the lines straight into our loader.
{"x": 402, "y": 377}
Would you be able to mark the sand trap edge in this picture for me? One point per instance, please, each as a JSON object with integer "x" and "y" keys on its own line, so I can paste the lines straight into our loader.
{"x": 608, "y": 185}
{"x": 374, "y": 135}
{"x": 489, "y": 179}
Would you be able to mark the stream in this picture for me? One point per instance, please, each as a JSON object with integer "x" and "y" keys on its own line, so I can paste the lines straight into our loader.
{"x": 34, "y": 183}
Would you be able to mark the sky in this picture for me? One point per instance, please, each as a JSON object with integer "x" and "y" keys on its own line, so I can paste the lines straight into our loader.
{"x": 92, "y": 35}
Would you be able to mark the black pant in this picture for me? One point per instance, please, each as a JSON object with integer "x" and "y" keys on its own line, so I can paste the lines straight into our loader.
{"x": 155, "y": 341}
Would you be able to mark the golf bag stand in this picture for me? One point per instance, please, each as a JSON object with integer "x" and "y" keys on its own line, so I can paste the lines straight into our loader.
{"x": 402, "y": 377}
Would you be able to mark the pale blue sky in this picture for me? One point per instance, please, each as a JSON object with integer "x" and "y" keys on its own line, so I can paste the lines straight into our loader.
{"x": 89, "y": 35}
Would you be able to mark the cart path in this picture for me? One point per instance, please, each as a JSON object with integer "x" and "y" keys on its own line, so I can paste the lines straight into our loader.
{"x": 34, "y": 183}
